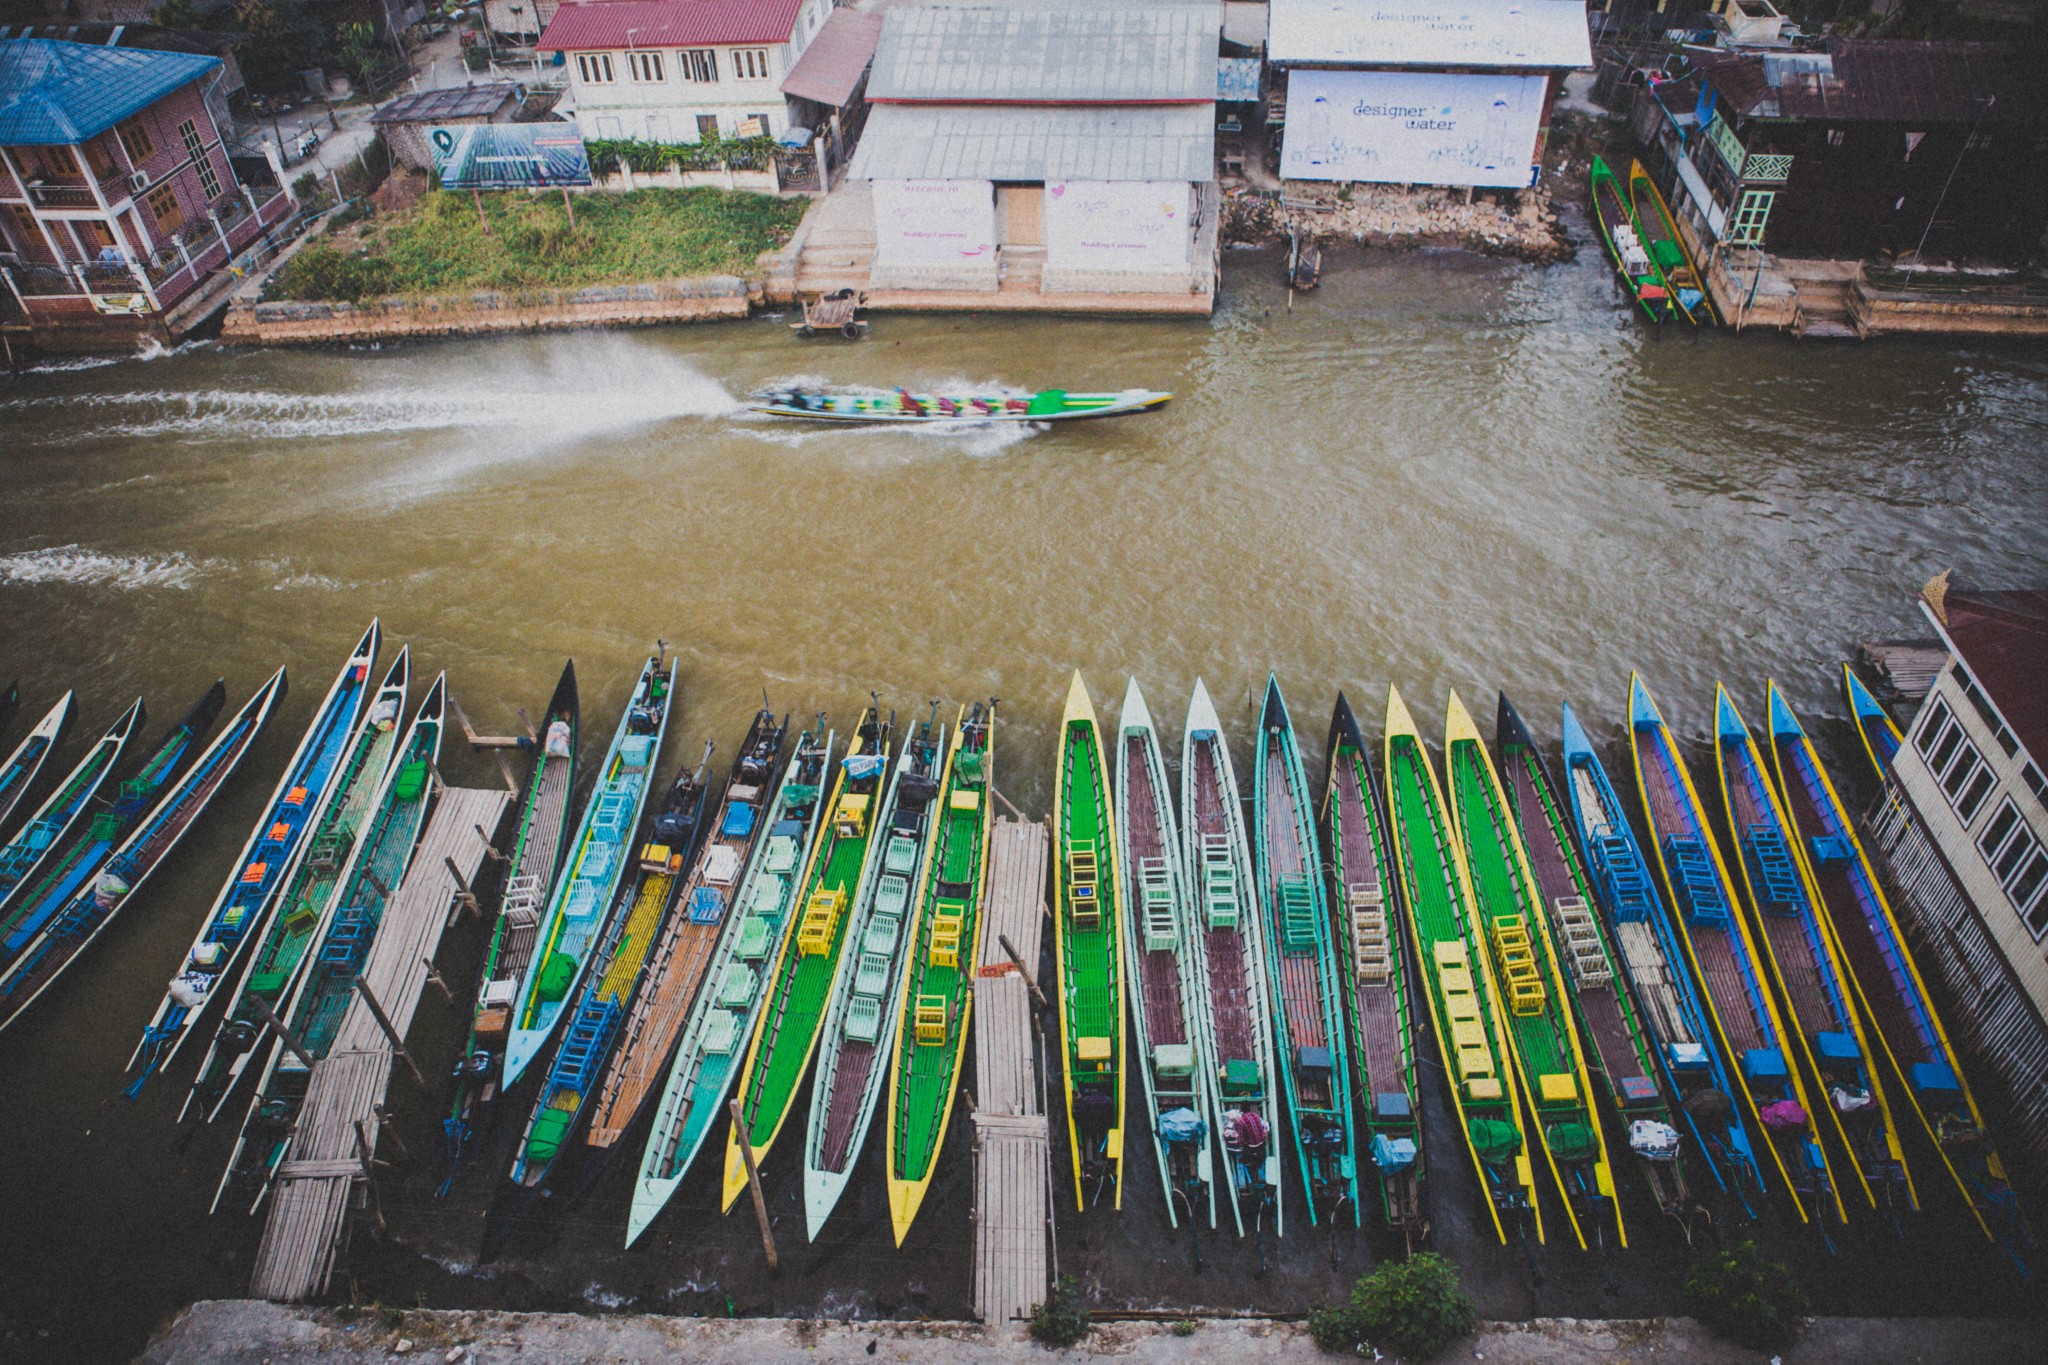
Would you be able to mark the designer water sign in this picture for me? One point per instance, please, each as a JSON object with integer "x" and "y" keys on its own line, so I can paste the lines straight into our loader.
{"x": 1412, "y": 128}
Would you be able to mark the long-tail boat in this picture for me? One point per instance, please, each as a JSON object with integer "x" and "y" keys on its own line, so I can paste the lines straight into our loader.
{"x": 938, "y": 990}
{"x": 1364, "y": 889}
{"x": 1888, "y": 986}
{"x": 270, "y": 974}
{"x": 861, "y": 1019}
{"x": 1661, "y": 240}
{"x": 1301, "y": 964}
{"x": 1724, "y": 960}
{"x": 1617, "y": 1045}
{"x": 1549, "y": 1057}
{"x": 45, "y": 831}
{"x": 1650, "y": 954}
{"x": 63, "y": 877}
{"x": 787, "y": 1027}
{"x": 722, "y": 1016}
{"x": 1457, "y": 980}
{"x": 92, "y": 907}
{"x": 340, "y": 946}
{"x": 240, "y": 913}
{"x": 1087, "y": 902}
{"x": 1800, "y": 954}
{"x": 1640, "y": 277}
{"x": 1874, "y": 725}
{"x": 1163, "y": 984}
{"x": 597, "y": 860}
{"x": 21, "y": 768}
{"x": 900, "y": 406}
{"x": 666, "y": 846}
{"x": 1233, "y": 1016}
{"x": 530, "y": 870}
{"x": 678, "y": 957}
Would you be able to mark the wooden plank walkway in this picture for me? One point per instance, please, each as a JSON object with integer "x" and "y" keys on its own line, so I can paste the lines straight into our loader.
{"x": 1012, "y": 1180}
{"x": 336, "y": 1131}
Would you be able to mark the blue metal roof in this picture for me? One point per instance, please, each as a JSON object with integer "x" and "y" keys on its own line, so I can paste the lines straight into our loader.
{"x": 55, "y": 94}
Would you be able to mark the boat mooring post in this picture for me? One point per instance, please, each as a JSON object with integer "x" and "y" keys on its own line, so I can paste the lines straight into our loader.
{"x": 739, "y": 1130}
{"x": 434, "y": 980}
{"x": 464, "y": 897}
{"x": 362, "y": 988}
{"x": 1010, "y": 951}
{"x": 282, "y": 1030}
{"x": 368, "y": 1152}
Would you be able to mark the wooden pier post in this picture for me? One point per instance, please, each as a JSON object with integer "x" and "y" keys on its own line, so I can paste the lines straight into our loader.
{"x": 464, "y": 897}
{"x": 279, "y": 1027}
{"x": 739, "y": 1129}
{"x": 368, "y": 1154}
{"x": 1010, "y": 951}
{"x": 384, "y": 1022}
{"x": 490, "y": 852}
{"x": 384, "y": 1126}
{"x": 434, "y": 979}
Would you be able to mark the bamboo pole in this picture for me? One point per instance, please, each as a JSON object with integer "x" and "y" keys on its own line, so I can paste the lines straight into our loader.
{"x": 739, "y": 1129}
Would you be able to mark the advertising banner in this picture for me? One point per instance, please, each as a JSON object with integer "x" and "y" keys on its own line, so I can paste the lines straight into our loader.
{"x": 1412, "y": 127}
{"x": 935, "y": 222}
{"x": 1134, "y": 225}
{"x": 509, "y": 156}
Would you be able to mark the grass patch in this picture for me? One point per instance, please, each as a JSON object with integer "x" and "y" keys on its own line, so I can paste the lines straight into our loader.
{"x": 440, "y": 246}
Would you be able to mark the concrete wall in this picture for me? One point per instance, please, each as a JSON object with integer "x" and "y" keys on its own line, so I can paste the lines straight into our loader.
{"x": 678, "y": 300}
{"x": 1881, "y": 312}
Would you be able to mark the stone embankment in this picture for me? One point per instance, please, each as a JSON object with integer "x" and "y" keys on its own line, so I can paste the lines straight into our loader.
{"x": 694, "y": 299}
{"x": 242, "y": 1332}
{"x": 1518, "y": 223}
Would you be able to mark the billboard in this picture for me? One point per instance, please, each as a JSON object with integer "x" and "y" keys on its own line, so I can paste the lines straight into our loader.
{"x": 1138, "y": 225}
{"x": 935, "y": 222}
{"x": 509, "y": 156}
{"x": 1412, "y": 127}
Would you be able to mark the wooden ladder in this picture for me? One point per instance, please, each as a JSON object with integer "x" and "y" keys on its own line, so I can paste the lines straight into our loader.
{"x": 1371, "y": 953}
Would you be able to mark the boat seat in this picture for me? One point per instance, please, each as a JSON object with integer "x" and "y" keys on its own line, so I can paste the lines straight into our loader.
{"x": 1763, "y": 1064}
{"x": 1584, "y": 954}
{"x": 1155, "y": 892}
{"x": 883, "y": 931}
{"x": 1461, "y": 1005}
{"x": 820, "y": 924}
{"x": 962, "y": 799}
{"x": 1219, "y": 881}
{"x": 707, "y": 905}
{"x": 1082, "y": 904}
{"x": 1095, "y": 1052}
{"x": 736, "y": 987}
{"x": 1474, "y": 1061}
{"x": 721, "y": 864}
{"x": 947, "y": 920}
{"x": 609, "y": 815}
{"x": 721, "y": 1032}
{"x": 871, "y": 976}
{"x": 1619, "y": 867}
{"x": 766, "y": 897}
{"x": 892, "y": 893}
{"x": 863, "y": 1018}
{"x": 1772, "y": 875}
{"x": 1455, "y": 980}
{"x": 753, "y": 940}
{"x": 1449, "y": 953}
{"x": 781, "y": 854}
{"x": 1468, "y": 1033}
{"x": 901, "y": 855}
{"x": 930, "y": 1019}
{"x": 1829, "y": 849}
{"x": 1298, "y": 924}
{"x": 1174, "y": 1060}
{"x": 1483, "y": 1088}
{"x": 1392, "y": 1104}
{"x": 1372, "y": 957}
{"x": 738, "y": 822}
{"x": 850, "y": 816}
{"x": 1557, "y": 1088}
{"x": 656, "y": 858}
{"x": 1936, "y": 1080}
{"x": 1836, "y": 1047}
{"x": 1240, "y": 1076}
{"x": 1635, "y": 1089}
{"x": 1697, "y": 887}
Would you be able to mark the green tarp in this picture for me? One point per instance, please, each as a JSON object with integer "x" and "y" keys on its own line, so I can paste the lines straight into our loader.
{"x": 1494, "y": 1139}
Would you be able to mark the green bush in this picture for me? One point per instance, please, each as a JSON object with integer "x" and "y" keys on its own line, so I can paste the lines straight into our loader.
{"x": 1413, "y": 1308}
{"x": 652, "y": 158}
{"x": 320, "y": 272}
{"x": 1747, "y": 1299}
{"x": 1063, "y": 1318}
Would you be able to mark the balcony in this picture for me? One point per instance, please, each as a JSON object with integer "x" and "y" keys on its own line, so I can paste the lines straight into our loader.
{"x": 61, "y": 194}
{"x": 1766, "y": 168}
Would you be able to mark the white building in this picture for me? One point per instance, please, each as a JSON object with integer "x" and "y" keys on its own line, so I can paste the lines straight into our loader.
{"x": 680, "y": 70}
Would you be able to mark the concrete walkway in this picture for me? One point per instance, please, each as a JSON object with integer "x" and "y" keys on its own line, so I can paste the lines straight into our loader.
{"x": 241, "y": 1332}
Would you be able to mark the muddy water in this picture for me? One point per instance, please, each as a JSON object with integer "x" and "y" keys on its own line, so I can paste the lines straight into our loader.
{"x": 1438, "y": 471}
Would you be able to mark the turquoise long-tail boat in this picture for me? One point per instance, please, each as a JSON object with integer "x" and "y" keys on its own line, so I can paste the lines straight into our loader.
{"x": 21, "y": 860}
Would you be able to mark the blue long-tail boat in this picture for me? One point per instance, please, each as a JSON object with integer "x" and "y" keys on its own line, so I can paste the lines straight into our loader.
{"x": 44, "y": 831}
{"x": 95, "y": 903}
{"x": 72, "y": 871}
{"x": 597, "y": 860}
{"x": 1798, "y": 949}
{"x": 1888, "y": 986}
{"x": 1874, "y": 725}
{"x": 20, "y": 770}
{"x": 1724, "y": 961}
{"x": 1653, "y": 962}
{"x": 242, "y": 910}
{"x": 1308, "y": 1010}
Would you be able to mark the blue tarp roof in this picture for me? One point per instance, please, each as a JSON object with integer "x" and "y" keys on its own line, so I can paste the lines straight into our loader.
{"x": 54, "y": 94}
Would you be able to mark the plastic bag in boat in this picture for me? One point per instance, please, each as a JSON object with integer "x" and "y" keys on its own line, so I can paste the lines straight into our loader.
{"x": 1494, "y": 1139}
{"x": 1782, "y": 1115}
{"x": 1850, "y": 1101}
{"x": 108, "y": 890}
{"x": 1391, "y": 1153}
{"x": 190, "y": 989}
{"x": 861, "y": 767}
{"x": 1181, "y": 1125}
{"x": 1653, "y": 1141}
{"x": 558, "y": 740}
{"x": 1246, "y": 1131}
{"x": 384, "y": 714}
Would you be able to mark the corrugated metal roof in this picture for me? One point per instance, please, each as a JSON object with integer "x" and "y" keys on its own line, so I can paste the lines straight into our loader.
{"x": 2003, "y": 638}
{"x": 54, "y": 94}
{"x": 830, "y": 69}
{"x": 1469, "y": 33}
{"x": 600, "y": 25}
{"x": 1055, "y": 56}
{"x": 1037, "y": 142}
{"x": 1879, "y": 80}
{"x": 457, "y": 101}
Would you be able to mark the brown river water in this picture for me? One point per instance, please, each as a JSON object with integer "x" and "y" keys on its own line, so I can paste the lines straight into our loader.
{"x": 1440, "y": 470}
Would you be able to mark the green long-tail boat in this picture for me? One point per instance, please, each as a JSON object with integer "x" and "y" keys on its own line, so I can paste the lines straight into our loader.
{"x": 1378, "y": 994}
{"x": 787, "y": 1029}
{"x": 1457, "y": 981}
{"x": 1086, "y": 945}
{"x": 938, "y": 990}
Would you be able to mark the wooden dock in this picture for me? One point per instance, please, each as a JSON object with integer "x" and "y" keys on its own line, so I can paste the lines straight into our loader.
{"x": 1012, "y": 1180}
{"x": 335, "y": 1137}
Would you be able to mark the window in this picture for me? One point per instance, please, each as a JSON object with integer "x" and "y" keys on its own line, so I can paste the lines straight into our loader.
{"x": 2016, "y": 858}
{"x": 164, "y": 207}
{"x": 750, "y": 64}
{"x": 99, "y": 154}
{"x": 707, "y": 127}
{"x": 136, "y": 140}
{"x": 1954, "y": 761}
{"x": 209, "y": 179}
{"x": 697, "y": 64}
{"x": 2031, "y": 775}
{"x": 1747, "y": 229}
{"x": 594, "y": 68}
{"x": 1988, "y": 716}
{"x": 644, "y": 66}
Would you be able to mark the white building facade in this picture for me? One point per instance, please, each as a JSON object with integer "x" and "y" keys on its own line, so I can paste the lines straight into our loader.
{"x": 677, "y": 71}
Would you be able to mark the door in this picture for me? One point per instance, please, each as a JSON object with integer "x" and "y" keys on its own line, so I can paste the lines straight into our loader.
{"x": 1023, "y": 210}
{"x": 707, "y": 127}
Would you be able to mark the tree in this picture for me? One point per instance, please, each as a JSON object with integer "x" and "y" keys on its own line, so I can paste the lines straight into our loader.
{"x": 1414, "y": 1308}
{"x": 358, "y": 50}
{"x": 282, "y": 41}
{"x": 1751, "y": 1301}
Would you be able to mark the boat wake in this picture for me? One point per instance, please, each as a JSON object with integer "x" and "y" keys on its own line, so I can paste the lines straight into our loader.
{"x": 78, "y": 565}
